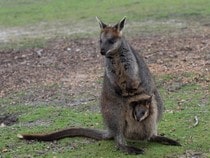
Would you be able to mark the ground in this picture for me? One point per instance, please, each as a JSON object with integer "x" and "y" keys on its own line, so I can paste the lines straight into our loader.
{"x": 68, "y": 72}
{"x": 77, "y": 65}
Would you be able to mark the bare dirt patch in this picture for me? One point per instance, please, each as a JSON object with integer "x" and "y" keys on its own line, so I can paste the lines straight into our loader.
{"x": 66, "y": 67}
{"x": 8, "y": 120}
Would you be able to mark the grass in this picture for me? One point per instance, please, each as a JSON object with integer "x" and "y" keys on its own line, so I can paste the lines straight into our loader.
{"x": 30, "y": 12}
{"x": 29, "y": 20}
{"x": 177, "y": 123}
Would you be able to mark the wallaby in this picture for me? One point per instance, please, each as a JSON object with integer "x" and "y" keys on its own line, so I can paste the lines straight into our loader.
{"x": 127, "y": 82}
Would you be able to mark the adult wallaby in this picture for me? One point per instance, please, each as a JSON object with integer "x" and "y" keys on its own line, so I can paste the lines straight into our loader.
{"x": 127, "y": 80}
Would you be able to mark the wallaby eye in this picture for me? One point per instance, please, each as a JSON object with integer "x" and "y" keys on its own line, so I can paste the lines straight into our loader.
{"x": 112, "y": 41}
{"x": 100, "y": 41}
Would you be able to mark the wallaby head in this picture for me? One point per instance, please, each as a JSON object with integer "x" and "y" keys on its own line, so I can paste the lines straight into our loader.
{"x": 110, "y": 37}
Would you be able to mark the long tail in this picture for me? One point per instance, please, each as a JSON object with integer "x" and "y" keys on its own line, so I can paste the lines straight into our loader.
{"x": 70, "y": 132}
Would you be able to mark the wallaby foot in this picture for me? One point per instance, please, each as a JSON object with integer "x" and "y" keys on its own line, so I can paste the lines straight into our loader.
{"x": 164, "y": 140}
{"x": 130, "y": 149}
{"x": 122, "y": 146}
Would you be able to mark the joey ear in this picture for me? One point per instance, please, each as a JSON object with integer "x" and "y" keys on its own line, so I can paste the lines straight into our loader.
{"x": 119, "y": 26}
{"x": 101, "y": 24}
{"x": 149, "y": 101}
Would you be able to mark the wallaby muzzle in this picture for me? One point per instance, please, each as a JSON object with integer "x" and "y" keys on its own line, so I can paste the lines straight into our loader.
{"x": 103, "y": 51}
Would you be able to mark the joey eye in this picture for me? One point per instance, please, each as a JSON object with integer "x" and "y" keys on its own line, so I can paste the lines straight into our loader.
{"x": 133, "y": 104}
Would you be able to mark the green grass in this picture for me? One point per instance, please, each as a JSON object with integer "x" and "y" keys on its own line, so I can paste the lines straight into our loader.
{"x": 71, "y": 12}
{"x": 29, "y": 12}
{"x": 71, "y": 18}
{"x": 177, "y": 123}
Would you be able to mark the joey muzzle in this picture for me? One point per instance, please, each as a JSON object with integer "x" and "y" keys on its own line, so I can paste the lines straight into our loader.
{"x": 139, "y": 115}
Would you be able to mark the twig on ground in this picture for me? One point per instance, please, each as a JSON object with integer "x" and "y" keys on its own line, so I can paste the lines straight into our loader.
{"x": 196, "y": 121}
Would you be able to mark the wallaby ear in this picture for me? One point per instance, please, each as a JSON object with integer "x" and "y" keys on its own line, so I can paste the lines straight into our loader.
{"x": 119, "y": 26}
{"x": 101, "y": 24}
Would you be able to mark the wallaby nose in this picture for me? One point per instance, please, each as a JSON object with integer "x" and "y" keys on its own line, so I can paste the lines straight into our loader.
{"x": 103, "y": 51}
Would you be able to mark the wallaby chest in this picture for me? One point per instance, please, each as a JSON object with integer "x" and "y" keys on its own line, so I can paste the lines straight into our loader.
{"x": 123, "y": 71}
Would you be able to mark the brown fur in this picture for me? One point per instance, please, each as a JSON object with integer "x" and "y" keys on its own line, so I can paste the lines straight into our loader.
{"x": 109, "y": 31}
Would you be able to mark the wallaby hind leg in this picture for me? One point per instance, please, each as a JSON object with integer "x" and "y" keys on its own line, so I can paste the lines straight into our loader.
{"x": 164, "y": 140}
{"x": 122, "y": 145}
